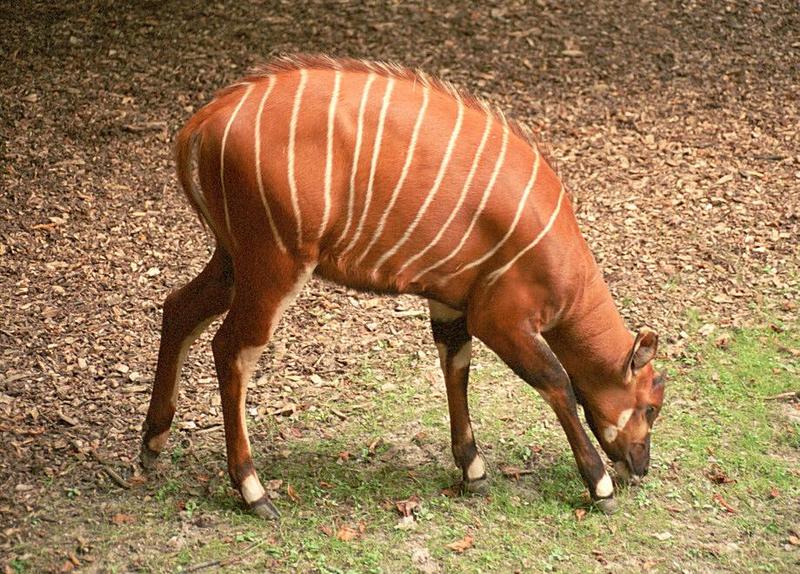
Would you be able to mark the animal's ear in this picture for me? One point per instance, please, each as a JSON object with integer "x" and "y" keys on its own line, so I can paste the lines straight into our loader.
{"x": 644, "y": 349}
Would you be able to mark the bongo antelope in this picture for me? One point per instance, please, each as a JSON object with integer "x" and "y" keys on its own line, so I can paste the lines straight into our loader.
{"x": 387, "y": 180}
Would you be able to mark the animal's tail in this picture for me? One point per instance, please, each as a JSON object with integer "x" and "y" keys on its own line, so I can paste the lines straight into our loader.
{"x": 186, "y": 147}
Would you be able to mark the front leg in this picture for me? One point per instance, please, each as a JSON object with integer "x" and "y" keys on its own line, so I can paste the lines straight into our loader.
{"x": 454, "y": 344}
{"x": 530, "y": 357}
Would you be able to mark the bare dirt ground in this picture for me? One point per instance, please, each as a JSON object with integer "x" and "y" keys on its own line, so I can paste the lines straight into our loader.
{"x": 675, "y": 125}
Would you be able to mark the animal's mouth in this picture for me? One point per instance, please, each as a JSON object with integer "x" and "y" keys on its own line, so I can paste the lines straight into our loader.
{"x": 625, "y": 474}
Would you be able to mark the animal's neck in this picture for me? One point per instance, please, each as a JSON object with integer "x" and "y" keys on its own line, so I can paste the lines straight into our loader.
{"x": 591, "y": 339}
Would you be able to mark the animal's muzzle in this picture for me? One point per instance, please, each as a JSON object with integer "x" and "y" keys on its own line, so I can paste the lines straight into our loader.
{"x": 636, "y": 463}
{"x": 638, "y": 458}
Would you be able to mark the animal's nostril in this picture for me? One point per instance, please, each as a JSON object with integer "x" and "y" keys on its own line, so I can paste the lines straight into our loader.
{"x": 639, "y": 459}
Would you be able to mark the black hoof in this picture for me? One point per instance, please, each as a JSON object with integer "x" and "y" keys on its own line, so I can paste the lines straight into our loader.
{"x": 148, "y": 457}
{"x": 477, "y": 486}
{"x": 264, "y": 508}
{"x": 607, "y": 505}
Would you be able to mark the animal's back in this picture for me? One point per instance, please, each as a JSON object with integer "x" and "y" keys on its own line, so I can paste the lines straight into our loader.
{"x": 382, "y": 177}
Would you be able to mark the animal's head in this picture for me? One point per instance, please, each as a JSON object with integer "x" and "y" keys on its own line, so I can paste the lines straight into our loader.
{"x": 622, "y": 412}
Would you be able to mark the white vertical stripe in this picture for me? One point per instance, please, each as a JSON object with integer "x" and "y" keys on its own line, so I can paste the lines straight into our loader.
{"x": 222, "y": 157}
{"x": 376, "y": 150}
{"x": 292, "y": 137}
{"x": 475, "y": 161}
{"x": 484, "y": 200}
{"x": 520, "y": 207}
{"x": 494, "y": 275}
{"x": 259, "y": 178}
{"x": 337, "y": 80}
{"x": 432, "y": 193}
{"x": 403, "y": 174}
{"x": 356, "y": 155}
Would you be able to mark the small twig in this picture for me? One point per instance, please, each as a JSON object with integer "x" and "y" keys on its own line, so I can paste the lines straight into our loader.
{"x": 145, "y": 127}
{"x": 204, "y": 566}
{"x": 23, "y": 432}
{"x": 225, "y": 562}
{"x": 208, "y": 429}
{"x": 339, "y": 414}
{"x": 113, "y": 475}
{"x": 516, "y": 473}
{"x": 781, "y": 396}
{"x": 67, "y": 419}
{"x": 415, "y": 479}
{"x": 410, "y": 313}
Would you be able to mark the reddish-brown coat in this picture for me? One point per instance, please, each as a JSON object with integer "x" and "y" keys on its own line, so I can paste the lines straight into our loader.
{"x": 550, "y": 315}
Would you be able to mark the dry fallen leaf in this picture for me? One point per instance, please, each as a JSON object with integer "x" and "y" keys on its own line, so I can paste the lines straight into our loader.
{"x": 409, "y": 506}
{"x": 707, "y": 329}
{"x": 598, "y": 554}
{"x": 511, "y": 471}
{"x": 460, "y": 546}
{"x": 723, "y": 341}
{"x": 347, "y": 533}
{"x": 580, "y": 514}
{"x": 120, "y": 519}
{"x": 137, "y": 480}
{"x": 721, "y": 501}
{"x": 286, "y": 408}
{"x": 292, "y": 493}
{"x": 662, "y": 536}
{"x": 718, "y": 476}
{"x": 451, "y": 491}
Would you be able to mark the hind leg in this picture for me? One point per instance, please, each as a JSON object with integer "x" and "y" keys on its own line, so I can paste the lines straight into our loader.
{"x": 187, "y": 313}
{"x": 259, "y": 300}
{"x": 454, "y": 344}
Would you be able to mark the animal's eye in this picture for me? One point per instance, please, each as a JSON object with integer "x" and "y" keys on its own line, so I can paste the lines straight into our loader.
{"x": 651, "y": 414}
